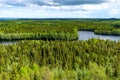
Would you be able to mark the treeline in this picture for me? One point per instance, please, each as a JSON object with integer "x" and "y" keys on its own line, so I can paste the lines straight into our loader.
{"x": 102, "y": 27}
{"x": 39, "y": 36}
{"x": 55, "y": 29}
{"x": 43, "y": 30}
{"x": 60, "y": 60}
{"x": 115, "y": 32}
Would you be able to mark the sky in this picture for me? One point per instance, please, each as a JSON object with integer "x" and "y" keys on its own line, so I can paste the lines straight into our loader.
{"x": 60, "y": 8}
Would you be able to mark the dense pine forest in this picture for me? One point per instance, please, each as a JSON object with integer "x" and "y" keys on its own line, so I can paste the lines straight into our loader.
{"x": 50, "y": 50}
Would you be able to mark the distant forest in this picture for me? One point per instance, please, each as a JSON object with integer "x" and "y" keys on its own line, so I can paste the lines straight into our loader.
{"x": 55, "y": 29}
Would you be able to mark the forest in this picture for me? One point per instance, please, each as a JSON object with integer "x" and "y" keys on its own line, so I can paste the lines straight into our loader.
{"x": 55, "y": 29}
{"x": 49, "y": 50}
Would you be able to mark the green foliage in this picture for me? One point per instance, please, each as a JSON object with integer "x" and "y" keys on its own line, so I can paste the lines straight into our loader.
{"x": 55, "y": 29}
{"x": 60, "y": 60}
{"x": 42, "y": 30}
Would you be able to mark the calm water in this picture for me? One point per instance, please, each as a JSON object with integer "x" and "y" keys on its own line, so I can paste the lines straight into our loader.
{"x": 85, "y": 35}
{"x": 8, "y": 42}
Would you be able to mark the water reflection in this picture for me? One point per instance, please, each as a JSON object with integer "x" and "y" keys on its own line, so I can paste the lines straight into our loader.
{"x": 85, "y": 35}
{"x": 8, "y": 42}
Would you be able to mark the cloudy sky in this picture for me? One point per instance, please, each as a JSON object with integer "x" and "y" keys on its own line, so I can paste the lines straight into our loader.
{"x": 60, "y": 8}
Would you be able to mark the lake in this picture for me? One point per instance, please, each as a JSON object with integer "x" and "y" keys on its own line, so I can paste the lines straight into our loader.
{"x": 85, "y": 35}
{"x": 8, "y": 42}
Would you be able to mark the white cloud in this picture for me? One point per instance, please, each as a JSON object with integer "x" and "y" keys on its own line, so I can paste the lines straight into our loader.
{"x": 54, "y": 9}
